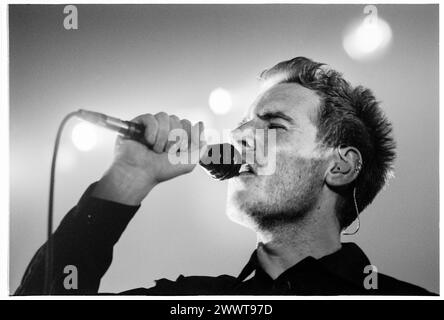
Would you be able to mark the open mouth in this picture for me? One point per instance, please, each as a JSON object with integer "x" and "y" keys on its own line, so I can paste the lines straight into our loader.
{"x": 246, "y": 169}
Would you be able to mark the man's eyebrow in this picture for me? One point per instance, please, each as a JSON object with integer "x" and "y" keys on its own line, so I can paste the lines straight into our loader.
{"x": 275, "y": 114}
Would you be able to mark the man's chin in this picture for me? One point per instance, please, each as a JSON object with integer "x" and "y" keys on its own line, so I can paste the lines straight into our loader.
{"x": 239, "y": 206}
{"x": 239, "y": 217}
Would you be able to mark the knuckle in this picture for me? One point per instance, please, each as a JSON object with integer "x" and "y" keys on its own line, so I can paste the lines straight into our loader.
{"x": 163, "y": 121}
{"x": 185, "y": 122}
{"x": 174, "y": 122}
{"x": 140, "y": 118}
{"x": 174, "y": 118}
{"x": 149, "y": 117}
{"x": 146, "y": 116}
{"x": 161, "y": 115}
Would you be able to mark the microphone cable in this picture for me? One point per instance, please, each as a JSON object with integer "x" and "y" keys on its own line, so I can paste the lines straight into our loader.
{"x": 49, "y": 254}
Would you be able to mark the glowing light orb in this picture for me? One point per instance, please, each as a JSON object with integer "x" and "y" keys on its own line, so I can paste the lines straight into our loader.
{"x": 84, "y": 136}
{"x": 220, "y": 101}
{"x": 367, "y": 39}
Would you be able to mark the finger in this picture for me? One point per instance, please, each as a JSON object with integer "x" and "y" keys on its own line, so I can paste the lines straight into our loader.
{"x": 198, "y": 145}
{"x": 186, "y": 126}
{"x": 162, "y": 133}
{"x": 175, "y": 132}
{"x": 151, "y": 127}
{"x": 201, "y": 133}
{"x": 202, "y": 139}
{"x": 197, "y": 135}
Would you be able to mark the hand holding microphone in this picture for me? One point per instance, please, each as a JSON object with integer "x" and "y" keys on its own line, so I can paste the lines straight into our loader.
{"x": 141, "y": 157}
{"x": 152, "y": 157}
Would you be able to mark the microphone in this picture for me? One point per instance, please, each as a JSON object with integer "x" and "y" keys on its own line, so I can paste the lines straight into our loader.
{"x": 221, "y": 161}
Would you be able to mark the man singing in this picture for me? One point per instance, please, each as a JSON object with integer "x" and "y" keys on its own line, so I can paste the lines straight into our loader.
{"x": 334, "y": 152}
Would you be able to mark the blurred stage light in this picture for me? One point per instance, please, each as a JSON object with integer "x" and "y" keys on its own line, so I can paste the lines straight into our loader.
{"x": 220, "y": 101}
{"x": 368, "y": 38}
{"x": 84, "y": 136}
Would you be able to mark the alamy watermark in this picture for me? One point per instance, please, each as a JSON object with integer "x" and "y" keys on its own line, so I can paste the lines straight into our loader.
{"x": 71, "y": 20}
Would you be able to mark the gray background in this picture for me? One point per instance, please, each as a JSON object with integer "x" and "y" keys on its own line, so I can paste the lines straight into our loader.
{"x": 128, "y": 60}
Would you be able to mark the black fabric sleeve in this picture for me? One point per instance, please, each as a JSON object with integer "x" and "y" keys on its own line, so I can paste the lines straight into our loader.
{"x": 84, "y": 240}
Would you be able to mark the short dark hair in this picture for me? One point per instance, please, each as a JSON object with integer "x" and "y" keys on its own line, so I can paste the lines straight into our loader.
{"x": 348, "y": 116}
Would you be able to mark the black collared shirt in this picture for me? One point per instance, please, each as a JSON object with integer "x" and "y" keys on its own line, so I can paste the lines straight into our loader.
{"x": 87, "y": 234}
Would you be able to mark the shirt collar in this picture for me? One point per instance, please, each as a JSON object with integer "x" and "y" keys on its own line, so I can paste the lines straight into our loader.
{"x": 347, "y": 263}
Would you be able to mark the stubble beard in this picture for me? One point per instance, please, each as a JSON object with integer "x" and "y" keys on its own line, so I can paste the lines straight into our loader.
{"x": 289, "y": 198}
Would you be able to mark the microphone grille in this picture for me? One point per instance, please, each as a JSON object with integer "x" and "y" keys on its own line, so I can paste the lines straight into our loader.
{"x": 222, "y": 161}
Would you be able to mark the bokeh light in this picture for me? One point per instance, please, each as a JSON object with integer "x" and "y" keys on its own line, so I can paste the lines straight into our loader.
{"x": 367, "y": 39}
{"x": 84, "y": 136}
{"x": 220, "y": 101}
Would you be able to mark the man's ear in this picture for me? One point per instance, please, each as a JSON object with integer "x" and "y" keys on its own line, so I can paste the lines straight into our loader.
{"x": 345, "y": 166}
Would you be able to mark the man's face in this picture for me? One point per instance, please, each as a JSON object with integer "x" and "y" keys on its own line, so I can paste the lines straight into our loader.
{"x": 262, "y": 201}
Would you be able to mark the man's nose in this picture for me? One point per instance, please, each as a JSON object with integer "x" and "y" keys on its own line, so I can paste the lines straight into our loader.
{"x": 243, "y": 137}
